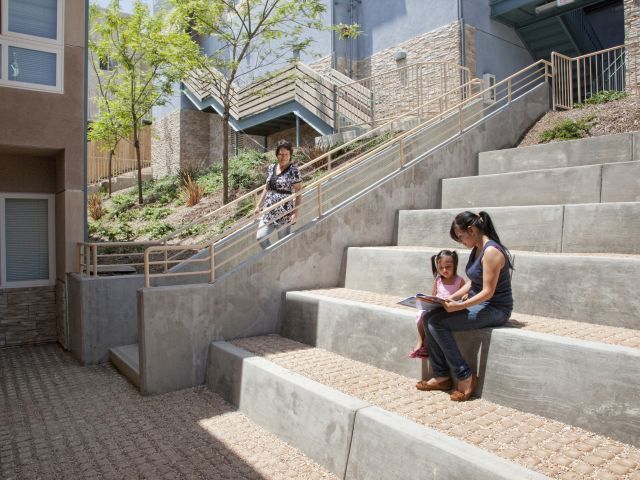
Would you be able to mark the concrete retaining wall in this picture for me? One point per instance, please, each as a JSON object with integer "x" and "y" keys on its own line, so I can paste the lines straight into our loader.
{"x": 177, "y": 324}
{"x": 584, "y": 288}
{"x": 102, "y": 314}
{"x": 583, "y": 228}
{"x": 623, "y": 147}
{"x": 348, "y": 436}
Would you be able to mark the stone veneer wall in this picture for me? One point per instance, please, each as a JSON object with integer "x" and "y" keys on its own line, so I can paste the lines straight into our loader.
{"x": 27, "y": 315}
{"x": 632, "y": 40}
{"x": 307, "y": 136}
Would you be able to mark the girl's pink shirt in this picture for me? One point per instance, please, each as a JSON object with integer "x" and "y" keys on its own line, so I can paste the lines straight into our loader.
{"x": 443, "y": 290}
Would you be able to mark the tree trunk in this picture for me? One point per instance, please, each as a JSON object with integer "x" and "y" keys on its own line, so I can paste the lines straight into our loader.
{"x": 110, "y": 170}
{"x": 136, "y": 144}
{"x": 225, "y": 156}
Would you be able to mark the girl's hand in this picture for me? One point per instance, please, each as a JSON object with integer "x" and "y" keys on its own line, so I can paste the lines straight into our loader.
{"x": 465, "y": 297}
{"x": 452, "y": 306}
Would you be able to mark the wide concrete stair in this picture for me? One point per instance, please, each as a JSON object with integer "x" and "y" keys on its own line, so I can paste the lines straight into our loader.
{"x": 558, "y": 391}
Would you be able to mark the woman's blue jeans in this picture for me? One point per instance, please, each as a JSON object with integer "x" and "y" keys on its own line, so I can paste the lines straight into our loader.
{"x": 439, "y": 326}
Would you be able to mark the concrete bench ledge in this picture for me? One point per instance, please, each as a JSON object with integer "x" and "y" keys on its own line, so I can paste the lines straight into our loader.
{"x": 604, "y": 293}
{"x": 346, "y": 435}
{"x": 582, "y": 228}
{"x": 514, "y": 363}
{"x": 623, "y": 147}
{"x": 614, "y": 182}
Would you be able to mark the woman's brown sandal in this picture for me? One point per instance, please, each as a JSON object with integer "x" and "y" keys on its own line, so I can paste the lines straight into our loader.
{"x": 459, "y": 396}
{"x": 425, "y": 386}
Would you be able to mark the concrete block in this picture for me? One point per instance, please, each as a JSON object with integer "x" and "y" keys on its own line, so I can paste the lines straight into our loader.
{"x": 536, "y": 228}
{"x": 316, "y": 419}
{"x": 352, "y": 329}
{"x": 591, "y": 289}
{"x": 601, "y": 228}
{"x": 103, "y": 314}
{"x": 621, "y": 182}
{"x": 386, "y": 446}
{"x": 540, "y": 187}
{"x": 573, "y": 153}
{"x": 126, "y": 359}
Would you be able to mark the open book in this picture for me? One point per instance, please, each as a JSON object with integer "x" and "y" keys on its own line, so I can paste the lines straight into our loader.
{"x": 422, "y": 301}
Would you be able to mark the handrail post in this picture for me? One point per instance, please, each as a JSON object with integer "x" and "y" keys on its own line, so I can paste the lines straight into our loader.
{"x": 509, "y": 90}
{"x": 147, "y": 280}
{"x": 336, "y": 125}
{"x": 578, "y": 77}
{"x": 329, "y": 162}
{"x": 212, "y": 264}
{"x": 80, "y": 258}
{"x": 95, "y": 260}
{"x": 401, "y": 144}
{"x": 166, "y": 256}
{"x": 319, "y": 199}
{"x": 460, "y": 120}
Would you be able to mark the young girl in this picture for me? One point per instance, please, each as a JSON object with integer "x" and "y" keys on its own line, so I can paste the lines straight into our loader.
{"x": 444, "y": 266}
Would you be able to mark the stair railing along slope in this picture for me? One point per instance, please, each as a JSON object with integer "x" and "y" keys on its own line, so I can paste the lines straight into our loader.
{"x": 578, "y": 78}
{"x": 237, "y": 244}
{"x": 392, "y": 92}
{"x": 130, "y": 253}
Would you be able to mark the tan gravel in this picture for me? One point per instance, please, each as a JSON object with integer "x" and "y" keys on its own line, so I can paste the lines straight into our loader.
{"x": 619, "y": 116}
{"x": 59, "y": 420}
{"x": 547, "y": 446}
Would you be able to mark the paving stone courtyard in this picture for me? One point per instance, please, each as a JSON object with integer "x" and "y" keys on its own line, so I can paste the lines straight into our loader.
{"x": 59, "y": 420}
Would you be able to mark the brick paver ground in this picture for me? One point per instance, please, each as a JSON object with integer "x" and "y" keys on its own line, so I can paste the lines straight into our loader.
{"x": 626, "y": 337}
{"x": 550, "y": 447}
{"x": 59, "y": 420}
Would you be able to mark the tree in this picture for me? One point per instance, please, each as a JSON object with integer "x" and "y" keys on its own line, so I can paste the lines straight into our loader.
{"x": 249, "y": 35}
{"x": 150, "y": 53}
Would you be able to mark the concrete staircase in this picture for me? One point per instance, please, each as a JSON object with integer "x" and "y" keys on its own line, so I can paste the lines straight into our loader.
{"x": 559, "y": 385}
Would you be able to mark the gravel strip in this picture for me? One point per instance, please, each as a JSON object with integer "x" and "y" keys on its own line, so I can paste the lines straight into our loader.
{"x": 59, "y": 420}
{"x": 625, "y": 337}
{"x": 550, "y": 447}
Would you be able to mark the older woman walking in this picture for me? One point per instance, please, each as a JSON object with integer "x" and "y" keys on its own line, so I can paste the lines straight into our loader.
{"x": 283, "y": 179}
{"x": 486, "y": 301}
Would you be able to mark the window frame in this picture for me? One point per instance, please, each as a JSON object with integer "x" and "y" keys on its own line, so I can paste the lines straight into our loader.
{"x": 31, "y": 42}
{"x": 51, "y": 237}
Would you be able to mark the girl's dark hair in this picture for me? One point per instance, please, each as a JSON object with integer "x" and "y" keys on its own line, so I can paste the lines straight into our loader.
{"x": 483, "y": 222}
{"x": 284, "y": 144}
{"x": 441, "y": 254}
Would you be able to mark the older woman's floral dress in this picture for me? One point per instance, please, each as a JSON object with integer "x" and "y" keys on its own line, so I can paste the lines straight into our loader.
{"x": 278, "y": 188}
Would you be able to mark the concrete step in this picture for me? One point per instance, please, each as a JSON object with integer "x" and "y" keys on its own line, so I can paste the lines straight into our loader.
{"x": 623, "y": 147}
{"x": 614, "y": 182}
{"x": 582, "y": 228}
{"x": 592, "y": 288}
{"x": 600, "y": 362}
{"x": 381, "y": 427}
{"x": 126, "y": 359}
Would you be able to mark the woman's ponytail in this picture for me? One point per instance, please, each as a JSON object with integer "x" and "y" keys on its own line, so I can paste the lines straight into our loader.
{"x": 484, "y": 223}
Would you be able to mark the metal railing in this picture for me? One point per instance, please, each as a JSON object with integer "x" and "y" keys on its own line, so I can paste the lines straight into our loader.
{"x": 229, "y": 249}
{"x": 577, "y": 79}
{"x": 390, "y": 93}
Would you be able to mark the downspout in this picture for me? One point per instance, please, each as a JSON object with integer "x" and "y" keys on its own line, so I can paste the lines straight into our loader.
{"x": 333, "y": 34}
{"x": 461, "y": 23}
{"x": 85, "y": 119}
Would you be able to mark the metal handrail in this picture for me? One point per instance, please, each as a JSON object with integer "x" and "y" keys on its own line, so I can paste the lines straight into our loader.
{"x": 505, "y": 91}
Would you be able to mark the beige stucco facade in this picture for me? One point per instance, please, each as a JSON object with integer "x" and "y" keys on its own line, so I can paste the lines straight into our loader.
{"x": 42, "y": 151}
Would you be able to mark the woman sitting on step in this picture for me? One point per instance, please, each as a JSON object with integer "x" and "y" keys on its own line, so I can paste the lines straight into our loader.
{"x": 483, "y": 301}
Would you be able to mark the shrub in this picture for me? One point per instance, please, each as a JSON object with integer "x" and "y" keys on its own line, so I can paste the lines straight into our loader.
{"x": 246, "y": 169}
{"x": 192, "y": 192}
{"x": 96, "y": 207}
{"x": 602, "y": 97}
{"x": 568, "y": 130}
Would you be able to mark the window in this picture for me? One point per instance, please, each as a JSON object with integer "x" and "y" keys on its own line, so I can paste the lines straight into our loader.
{"x": 31, "y": 44}
{"x": 27, "y": 249}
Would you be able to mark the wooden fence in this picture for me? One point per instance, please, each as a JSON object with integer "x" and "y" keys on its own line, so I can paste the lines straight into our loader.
{"x": 124, "y": 159}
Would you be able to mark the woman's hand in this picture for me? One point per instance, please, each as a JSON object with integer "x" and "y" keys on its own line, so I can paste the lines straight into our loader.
{"x": 452, "y": 306}
{"x": 293, "y": 218}
{"x": 256, "y": 211}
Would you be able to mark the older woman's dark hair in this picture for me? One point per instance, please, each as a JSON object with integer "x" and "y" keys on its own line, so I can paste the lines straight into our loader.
{"x": 284, "y": 144}
{"x": 484, "y": 223}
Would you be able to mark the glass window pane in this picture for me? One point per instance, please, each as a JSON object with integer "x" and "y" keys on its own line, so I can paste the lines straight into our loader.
{"x": 27, "y": 239}
{"x": 34, "y": 17}
{"x": 32, "y": 66}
